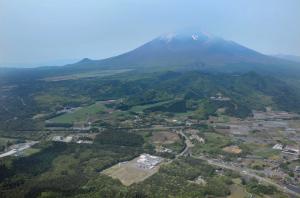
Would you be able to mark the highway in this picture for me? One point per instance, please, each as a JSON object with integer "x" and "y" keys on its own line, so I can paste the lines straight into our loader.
{"x": 18, "y": 148}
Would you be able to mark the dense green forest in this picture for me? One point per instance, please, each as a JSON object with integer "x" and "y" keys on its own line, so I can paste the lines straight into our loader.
{"x": 186, "y": 91}
{"x": 65, "y": 168}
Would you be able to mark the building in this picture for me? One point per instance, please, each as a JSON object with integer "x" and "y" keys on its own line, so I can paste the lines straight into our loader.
{"x": 62, "y": 139}
{"x": 147, "y": 161}
{"x": 297, "y": 169}
{"x": 291, "y": 150}
{"x": 84, "y": 142}
{"x": 58, "y": 138}
{"x": 278, "y": 147}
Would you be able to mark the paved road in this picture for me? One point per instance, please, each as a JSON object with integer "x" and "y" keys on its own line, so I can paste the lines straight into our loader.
{"x": 188, "y": 144}
{"x": 18, "y": 148}
{"x": 248, "y": 173}
{"x": 243, "y": 171}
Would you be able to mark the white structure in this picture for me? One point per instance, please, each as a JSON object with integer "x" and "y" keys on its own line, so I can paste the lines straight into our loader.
{"x": 68, "y": 139}
{"x": 84, "y": 142}
{"x": 58, "y": 139}
{"x": 62, "y": 139}
{"x": 278, "y": 147}
{"x": 291, "y": 150}
{"x": 199, "y": 139}
{"x": 147, "y": 161}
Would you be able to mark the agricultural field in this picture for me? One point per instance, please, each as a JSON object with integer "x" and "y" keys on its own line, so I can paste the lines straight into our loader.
{"x": 81, "y": 115}
{"x": 5, "y": 142}
{"x": 93, "y": 74}
{"x": 164, "y": 137}
{"x": 58, "y": 98}
{"x": 214, "y": 144}
{"x": 30, "y": 151}
{"x": 261, "y": 150}
{"x": 237, "y": 190}
{"x": 141, "y": 108}
{"x": 232, "y": 149}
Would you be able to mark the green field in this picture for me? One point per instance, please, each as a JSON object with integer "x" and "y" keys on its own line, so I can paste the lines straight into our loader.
{"x": 92, "y": 74}
{"x": 4, "y": 141}
{"x": 81, "y": 115}
{"x": 55, "y": 98}
{"x": 30, "y": 151}
{"x": 261, "y": 150}
{"x": 213, "y": 144}
{"x": 141, "y": 108}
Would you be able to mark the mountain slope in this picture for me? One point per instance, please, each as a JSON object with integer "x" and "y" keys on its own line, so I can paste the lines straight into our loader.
{"x": 183, "y": 52}
{"x": 288, "y": 57}
{"x": 191, "y": 51}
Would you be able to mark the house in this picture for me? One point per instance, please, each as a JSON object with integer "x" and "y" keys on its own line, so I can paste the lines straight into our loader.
{"x": 291, "y": 150}
{"x": 278, "y": 147}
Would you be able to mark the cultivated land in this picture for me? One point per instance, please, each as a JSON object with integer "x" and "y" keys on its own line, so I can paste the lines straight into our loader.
{"x": 165, "y": 137}
{"x": 89, "y": 149}
{"x": 224, "y": 143}
{"x": 141, "y": 108}
{"x": 86, "y": 75}
{"x": 81, "y": 114}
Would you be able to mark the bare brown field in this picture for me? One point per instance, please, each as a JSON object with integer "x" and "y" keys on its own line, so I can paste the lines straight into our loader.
{"x": 164, "y": 137}
{"x": 232, "y": 149}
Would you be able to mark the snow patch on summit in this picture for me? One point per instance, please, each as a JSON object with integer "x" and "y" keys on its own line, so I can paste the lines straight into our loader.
{"x": 168, "y": 37}
{"x": 195, "y": 37}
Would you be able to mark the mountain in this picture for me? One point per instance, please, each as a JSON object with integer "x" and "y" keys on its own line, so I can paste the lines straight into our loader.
{"x": 288, "y": 57}
{"x": 191, "y": 51}
{"x": 175, "y": 51}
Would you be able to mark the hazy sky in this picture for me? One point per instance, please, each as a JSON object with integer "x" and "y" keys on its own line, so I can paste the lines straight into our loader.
{"x": 46, "y": 32}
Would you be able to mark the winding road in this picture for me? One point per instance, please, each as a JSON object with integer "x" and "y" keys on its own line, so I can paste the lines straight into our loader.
{"x": 292, "y": 190}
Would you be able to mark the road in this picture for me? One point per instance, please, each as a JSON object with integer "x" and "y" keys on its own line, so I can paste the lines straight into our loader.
{"x": 188, "y": 144}
{"x": 247, "y": 172}
{"x": 292, "y": 190}
{"x": 18, "y": 148}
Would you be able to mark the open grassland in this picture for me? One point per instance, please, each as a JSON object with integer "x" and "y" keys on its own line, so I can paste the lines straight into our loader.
{"x": 81, "y": 115}
{"x": 57, "y": 97}
{"x": 261, "y": 150}
{"x": 141, "y": 108}
{"x": 92, "y": 74}
{"x": 237, "y": 190}
{"x": 3, "y": 141}
{"x": 294, "y": 124}
{"x": 30, "y": 151}
{"x": 214, "y": 143}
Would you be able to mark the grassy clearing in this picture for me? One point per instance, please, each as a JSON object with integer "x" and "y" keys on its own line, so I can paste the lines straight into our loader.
{"x": 213, "y": 144}
{"x": 3, "y": 141}
{"x": 164, "y": 137}
{"x": 92, "y": 74}
{"x": 80, "y": 115}
{"x": 56, "y": 97}
{"x": 30, "y": 151}
{"x": 261, "y": 150}
{"x": 238, "y": 191}
{"x": 141, "y": 108}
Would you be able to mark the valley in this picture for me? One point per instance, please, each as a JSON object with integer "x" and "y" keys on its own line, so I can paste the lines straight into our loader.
{"x": 119, "y": 127}
{"x": 244, "y": 147}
